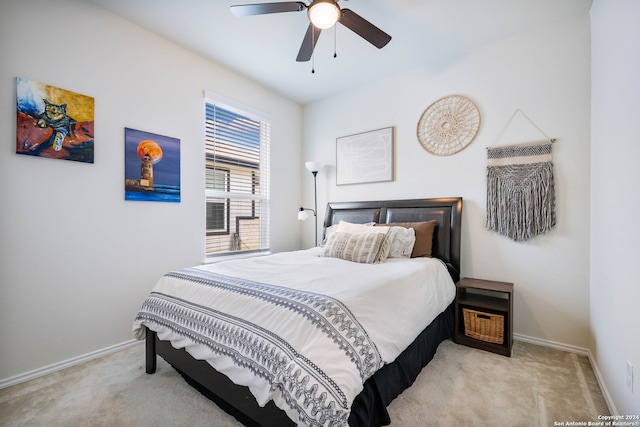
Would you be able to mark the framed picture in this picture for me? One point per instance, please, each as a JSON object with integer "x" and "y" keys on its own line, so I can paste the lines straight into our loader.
{"x": 365, "y": 157}
{"x": 152, "y": 167}
{"x": 53, "y": 122}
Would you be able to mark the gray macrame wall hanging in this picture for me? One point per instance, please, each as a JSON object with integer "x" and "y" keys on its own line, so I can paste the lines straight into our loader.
{"x": 520, "y": 189}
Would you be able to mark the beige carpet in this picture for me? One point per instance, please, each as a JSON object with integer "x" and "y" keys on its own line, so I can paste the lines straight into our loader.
{"x": 462, "y": 386}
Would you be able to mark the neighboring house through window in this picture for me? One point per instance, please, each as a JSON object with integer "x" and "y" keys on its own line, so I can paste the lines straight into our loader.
{"x": 237, "y": 179}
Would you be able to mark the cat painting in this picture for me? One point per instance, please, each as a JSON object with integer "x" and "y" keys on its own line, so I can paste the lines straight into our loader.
{"x": 53, "y": 122}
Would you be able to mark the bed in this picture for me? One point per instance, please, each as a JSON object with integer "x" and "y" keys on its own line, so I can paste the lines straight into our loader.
{"x": 385, "y": 370}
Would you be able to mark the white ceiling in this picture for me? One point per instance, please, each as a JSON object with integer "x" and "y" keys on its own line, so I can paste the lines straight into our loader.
{"x": 426, "y": 33}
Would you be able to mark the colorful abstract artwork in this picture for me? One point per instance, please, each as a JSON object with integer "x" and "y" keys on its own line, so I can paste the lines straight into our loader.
{"x": 152, "y": 167}
{"x": 53, "y": 122}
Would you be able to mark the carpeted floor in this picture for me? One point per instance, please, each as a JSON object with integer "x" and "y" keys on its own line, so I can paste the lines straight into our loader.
{"x": 537, "y": 386}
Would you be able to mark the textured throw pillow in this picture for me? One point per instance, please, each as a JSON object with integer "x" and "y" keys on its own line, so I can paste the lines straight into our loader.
{"x": 424, "y": 236}
{"x": 346, "y": 227}
{"x": 368, "y": 248}
{"x": 328, "y": 232}
{"x": 402, "y": 242}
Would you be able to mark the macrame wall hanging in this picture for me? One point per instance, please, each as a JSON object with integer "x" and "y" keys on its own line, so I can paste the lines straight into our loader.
{"x": 520, "y": 188}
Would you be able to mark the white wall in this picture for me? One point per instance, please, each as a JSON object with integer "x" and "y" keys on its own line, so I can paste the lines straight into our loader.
{"x": 544, "y": 73}
{"x": 615, "y": 175}
{"x": 76, "y": 260}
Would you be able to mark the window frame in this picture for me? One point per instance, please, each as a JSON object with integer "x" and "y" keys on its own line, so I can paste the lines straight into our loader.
{"x": 254, "y": 186}
{"x": 224, "y": 200}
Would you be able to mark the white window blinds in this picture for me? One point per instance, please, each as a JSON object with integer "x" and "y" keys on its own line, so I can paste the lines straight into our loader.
{"x": 237, "y": 181}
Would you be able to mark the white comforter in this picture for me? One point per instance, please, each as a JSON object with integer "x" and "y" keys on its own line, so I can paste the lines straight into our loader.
{"x": 309, "y": 329}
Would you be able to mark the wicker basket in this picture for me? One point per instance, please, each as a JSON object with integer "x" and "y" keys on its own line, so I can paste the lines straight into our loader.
{"x": 483, "y": 326}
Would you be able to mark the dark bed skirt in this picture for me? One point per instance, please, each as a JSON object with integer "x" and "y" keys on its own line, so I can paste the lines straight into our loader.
{"x": 370, "y": 406}
{"x": 369, "y": 409}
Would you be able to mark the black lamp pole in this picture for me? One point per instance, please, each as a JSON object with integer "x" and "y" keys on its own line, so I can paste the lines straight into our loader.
{"x": 315, "y": 203}
{"x": 313, "y": 167}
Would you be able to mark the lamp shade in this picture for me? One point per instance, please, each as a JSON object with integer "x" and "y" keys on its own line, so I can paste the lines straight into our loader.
{"x": 302, "y": 215}
{"x": 324, "y": 13}
{"x": 313, "y": 166}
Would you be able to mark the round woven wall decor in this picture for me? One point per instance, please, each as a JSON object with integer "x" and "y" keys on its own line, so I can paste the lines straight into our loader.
{"x": 448, "y": 125}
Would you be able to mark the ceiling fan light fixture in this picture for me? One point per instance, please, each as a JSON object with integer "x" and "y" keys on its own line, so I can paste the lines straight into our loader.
{"x": 324, "y": 14}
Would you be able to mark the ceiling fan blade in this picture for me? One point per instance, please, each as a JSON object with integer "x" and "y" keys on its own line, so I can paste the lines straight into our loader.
{"x": 308, "y": 43}
{"x": 265, "y": 8}
{"x": 364, "y": 28}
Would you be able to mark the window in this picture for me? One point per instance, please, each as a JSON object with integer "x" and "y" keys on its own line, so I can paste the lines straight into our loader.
{"x": 237, "y": 180}
{"x": 217, "y": 208}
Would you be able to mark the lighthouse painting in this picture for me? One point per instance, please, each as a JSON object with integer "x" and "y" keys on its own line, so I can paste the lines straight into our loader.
{"x": 152, "y": 167}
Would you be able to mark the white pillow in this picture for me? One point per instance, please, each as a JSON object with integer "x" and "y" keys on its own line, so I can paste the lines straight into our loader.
{"x": 348, "y": 227}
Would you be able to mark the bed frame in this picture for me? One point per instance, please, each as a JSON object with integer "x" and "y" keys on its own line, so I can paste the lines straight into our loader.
{"x": 369, "y": 407}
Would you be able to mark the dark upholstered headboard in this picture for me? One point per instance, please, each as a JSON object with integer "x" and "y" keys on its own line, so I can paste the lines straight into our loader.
{"x": 446, "y": 211}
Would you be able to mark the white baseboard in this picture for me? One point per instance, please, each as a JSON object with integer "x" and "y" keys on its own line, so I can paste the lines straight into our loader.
{"x": 578, "y": 350}
{"x": 8, "y": 382}
{"x": 552, "y": 344}
{"x": 603, "y": 387}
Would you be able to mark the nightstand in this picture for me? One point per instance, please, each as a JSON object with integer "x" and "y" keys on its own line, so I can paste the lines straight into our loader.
{"x": 484, "y": 315}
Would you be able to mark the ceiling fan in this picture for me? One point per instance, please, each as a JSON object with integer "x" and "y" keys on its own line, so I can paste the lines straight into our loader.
{"x": 322, "y": 15}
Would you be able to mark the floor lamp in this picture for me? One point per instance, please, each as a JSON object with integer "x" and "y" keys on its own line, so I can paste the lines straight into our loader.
{"x": 313, "y": 167}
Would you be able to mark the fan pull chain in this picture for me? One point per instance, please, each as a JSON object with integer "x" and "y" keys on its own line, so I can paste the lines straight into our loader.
{"x": 313, "y": 49}
{"x": 335, "y": 40}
